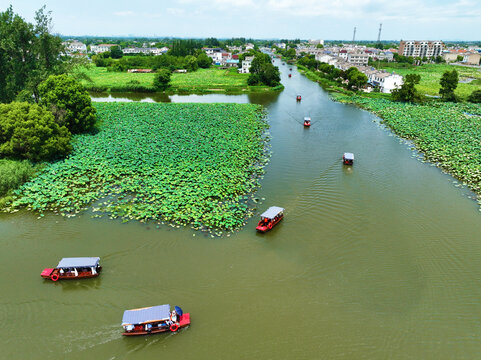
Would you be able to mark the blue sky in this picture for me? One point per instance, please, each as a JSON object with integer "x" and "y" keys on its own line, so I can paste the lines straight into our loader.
{"x": 306, "y": 19}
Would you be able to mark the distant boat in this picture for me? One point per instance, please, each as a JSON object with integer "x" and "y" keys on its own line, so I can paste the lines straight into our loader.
{"x": 348, "y": 158}
{"x": 298, "y": 98}
{"x": 154, "y": 320}
{"x": 270, "y": 218}
{"x": 307, "y": 121}
{"x": 74, "y": 268}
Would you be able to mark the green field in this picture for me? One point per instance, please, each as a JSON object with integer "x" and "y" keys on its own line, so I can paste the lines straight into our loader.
{"x": 202, "y": 80}
{"x": 431, "y": 74}
{"x": 188, "y": 164}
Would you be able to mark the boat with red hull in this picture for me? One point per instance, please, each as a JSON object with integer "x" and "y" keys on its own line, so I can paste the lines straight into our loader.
{"x": 154, "y": 320}
{"x": 74, "y": 268}
{"x": 270, "y": 218}
{"x": 298, "y": 98}
{"x": 348, "y": 158}
{"x": 307, "y": 121}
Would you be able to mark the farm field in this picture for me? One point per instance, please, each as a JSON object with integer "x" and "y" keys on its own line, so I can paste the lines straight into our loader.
{"x": 447, "y": 133}
{"x": 202, "y": 80}
{"x": 431, "y": 74}
{"x": 188, "y": 164}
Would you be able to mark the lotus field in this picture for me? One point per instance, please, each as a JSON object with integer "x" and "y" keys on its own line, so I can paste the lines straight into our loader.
{"x": 189, "y": 164}
{"x": 449, "y": 134}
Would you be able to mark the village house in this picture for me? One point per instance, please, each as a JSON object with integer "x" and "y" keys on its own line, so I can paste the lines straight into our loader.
{"x": 471, "y": 58}
{"x": 246, "y": 64}
{"x": 357, "y": 58}
{"x": 98, "y": 49}
{"x": 386, "y": 81}
{"x": 74, "y": 46}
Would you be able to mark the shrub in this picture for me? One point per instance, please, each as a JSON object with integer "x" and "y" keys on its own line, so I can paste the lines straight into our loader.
{"x": 475, "y": 97}
{"x": 13, "y": 174}
{"x": 70, "y": 103}
{"x": 162, "y": 79}
{"x": 28, "y": 131}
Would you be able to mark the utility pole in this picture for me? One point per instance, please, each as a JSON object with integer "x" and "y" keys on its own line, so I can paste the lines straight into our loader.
{"x": 354, "y": 35}
{"x": 379, "y": 34}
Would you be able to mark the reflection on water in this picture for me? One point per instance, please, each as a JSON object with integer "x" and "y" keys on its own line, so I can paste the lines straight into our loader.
{"x": 262, "y": 98}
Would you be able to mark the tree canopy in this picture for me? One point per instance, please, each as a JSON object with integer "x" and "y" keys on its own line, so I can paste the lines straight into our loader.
{"x": 262, "y": 72}
{"x": 69, "y": 102}
{"x": 29, "y": 53}
{"x": 28, "y": 131}
{"x": 448, "y": 82}
{"x": 407, "y": 92}
{"x": 162, "y": 79}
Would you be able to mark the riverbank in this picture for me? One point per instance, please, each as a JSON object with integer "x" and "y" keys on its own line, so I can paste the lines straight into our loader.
{"x": 185, "y": 164}
{"x": 447, "y": 133}
{"x": 202, "y": 81}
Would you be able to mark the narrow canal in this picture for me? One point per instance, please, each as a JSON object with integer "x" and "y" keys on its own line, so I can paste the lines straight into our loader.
{"x": 381, "y": 260}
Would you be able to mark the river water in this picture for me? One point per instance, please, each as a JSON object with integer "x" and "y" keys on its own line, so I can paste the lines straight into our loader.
{"x": 381, "y": 260}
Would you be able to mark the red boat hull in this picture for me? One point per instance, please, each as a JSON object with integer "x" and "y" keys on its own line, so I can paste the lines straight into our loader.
{"x": 307, "y": 124}
{"x": 184, "y": 321}
{"x": 263, "y": 228}
{"x": 55, "y": 274}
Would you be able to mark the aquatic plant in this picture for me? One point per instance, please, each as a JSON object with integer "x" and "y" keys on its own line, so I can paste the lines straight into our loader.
{"x": 190, "y": 164}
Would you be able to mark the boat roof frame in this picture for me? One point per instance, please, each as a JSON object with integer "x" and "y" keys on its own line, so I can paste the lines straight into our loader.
{"x": 78, "y": 262}
{"x": 272, "y": 212}
{"x": 146, "y": 315}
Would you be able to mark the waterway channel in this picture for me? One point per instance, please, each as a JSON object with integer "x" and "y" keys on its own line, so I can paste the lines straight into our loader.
{"x": 379, "y": 260}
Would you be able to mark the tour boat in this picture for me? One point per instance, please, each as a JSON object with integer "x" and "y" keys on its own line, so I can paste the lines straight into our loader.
{"x": 307, "y": 121}
{"x": 153, "y": 320}
{"x": 74, "y": 268}
{"x": 270, "y": 218}
{"x": 290, "y": 69}
{"x": 290, "y": 75}
{"x": 298, "y": 98}
{"x": 348, "y": 158}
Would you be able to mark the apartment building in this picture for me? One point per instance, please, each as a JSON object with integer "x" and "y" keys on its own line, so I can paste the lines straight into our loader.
{"x": 421, "y": 49}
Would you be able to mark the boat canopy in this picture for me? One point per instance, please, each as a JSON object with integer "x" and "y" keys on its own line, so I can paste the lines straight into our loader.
{"x": 349, "y": 156}
{"x": 272, "y": 212}
{"x": 78, "y": 262}
{"x": 307, "y": 119}
{"x": 146, "y": 315}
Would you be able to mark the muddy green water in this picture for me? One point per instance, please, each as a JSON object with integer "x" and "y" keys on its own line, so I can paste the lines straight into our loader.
{"x": 378, "y": 261}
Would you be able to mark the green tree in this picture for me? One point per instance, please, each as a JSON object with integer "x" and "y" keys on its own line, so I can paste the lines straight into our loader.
{"x": 407, "y": 92}
{"x": 28, "y": 131}
{"x": 475, "y": 97}
{"x": 69, "y": 102}
{"x": 263, "y": 72}
{"x": 116, "y": 52}
{"x": 448, "y": 82}
{"x": 162, "y": 79}
{"x": 29, "y": 53}
{"x": 459, "y": 58}
{"x": 190, "y": 63}
{"x": 204, "y": 61}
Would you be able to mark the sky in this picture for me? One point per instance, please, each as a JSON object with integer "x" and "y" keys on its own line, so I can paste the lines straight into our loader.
{"x": 446, "y": 20}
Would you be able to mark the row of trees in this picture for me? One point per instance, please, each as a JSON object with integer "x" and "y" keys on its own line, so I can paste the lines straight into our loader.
{"x": 188, "y": 62}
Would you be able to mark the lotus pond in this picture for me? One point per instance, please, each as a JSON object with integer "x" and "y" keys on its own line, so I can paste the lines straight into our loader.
{"x": 448, "y": 134}
{"x": 189, "y": 164}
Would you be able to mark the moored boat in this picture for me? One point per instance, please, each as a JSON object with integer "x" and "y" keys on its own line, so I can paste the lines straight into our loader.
{"x": 153, "y": 320}
{"x": 348, "y": 158}
{"x": 270, "y": 218}
{"x": 74, "y": 268}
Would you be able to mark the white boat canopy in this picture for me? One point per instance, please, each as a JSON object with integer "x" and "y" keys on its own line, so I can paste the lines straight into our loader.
{"x": 146, "y": 315}
{"x": 78, "y": 262}
{"x": 307, "y": 119}
{"x": 349, "y": 156}
{"x": 272, "y": 212}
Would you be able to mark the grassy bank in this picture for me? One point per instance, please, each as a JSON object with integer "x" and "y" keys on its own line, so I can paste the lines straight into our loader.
{"x": 432, "y": 73}
{"x": 13, "y": 174}
{"x": 447, "y": 133}
{"x": 190, "y": 164}
{"x": 200, "y": 81}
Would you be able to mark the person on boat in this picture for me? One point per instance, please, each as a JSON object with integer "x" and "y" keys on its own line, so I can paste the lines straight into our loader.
{"x": 173, "y": 316}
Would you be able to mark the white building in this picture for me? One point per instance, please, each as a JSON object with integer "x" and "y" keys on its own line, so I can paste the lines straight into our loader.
{"x": 75, "y": 46}
{"x": 98, "y": 49}
{"x": 357, "y": 58}
{"x": 246, "y": 64}
{"x": 249, "y": 46}
{"x": 387, "y": 82}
